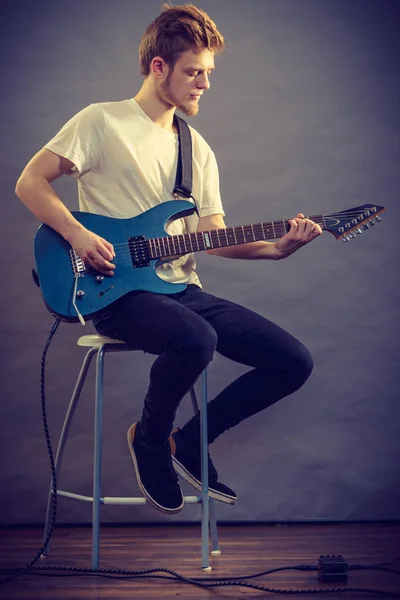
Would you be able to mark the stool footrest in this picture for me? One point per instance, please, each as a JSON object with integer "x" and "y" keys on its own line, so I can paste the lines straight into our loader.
{"x": 124, "y": 500}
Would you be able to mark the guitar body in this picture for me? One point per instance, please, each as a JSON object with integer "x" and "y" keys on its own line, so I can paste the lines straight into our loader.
{"x": 57, "y": 276}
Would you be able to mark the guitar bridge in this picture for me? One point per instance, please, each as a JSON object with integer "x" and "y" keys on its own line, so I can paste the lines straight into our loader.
{"x": 140, "y": 253}
{"x": 78, "y": 266}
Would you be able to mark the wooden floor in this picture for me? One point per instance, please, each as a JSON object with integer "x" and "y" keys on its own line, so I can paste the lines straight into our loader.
{"x": 245, "y": 550}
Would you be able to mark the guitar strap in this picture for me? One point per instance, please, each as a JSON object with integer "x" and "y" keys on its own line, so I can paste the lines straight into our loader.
{"x": 183, "y": 181}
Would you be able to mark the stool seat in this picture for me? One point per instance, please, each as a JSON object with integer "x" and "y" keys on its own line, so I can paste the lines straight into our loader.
{"x": 96, "y": 340}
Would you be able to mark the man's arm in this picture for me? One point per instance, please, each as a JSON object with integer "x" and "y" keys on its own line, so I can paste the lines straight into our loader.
{"x": 34, "y": 189}
{"x": 302, "y": 231}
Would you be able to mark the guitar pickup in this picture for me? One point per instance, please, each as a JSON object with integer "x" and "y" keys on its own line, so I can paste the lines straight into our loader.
{"x": 139, "y": 250}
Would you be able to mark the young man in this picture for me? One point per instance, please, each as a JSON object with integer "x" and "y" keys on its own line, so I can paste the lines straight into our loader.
{"x": 124, "y": 157}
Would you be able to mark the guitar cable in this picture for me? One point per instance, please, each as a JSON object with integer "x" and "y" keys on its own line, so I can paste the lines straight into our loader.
{"x": 329, "y": 568}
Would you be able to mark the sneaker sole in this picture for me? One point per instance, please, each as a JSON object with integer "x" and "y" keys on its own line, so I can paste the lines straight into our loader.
{"x": 181, "y": 470}
{"x": 163, "y": 509}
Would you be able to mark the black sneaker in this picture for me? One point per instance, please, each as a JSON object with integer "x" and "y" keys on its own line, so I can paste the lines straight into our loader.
{"x": 187, "y": 462}
{"x": 154, "y": 472}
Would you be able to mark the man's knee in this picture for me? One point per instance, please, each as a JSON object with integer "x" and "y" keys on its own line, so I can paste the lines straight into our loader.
{"x": 198, "y": 345}
{"x": 302, "y": 366}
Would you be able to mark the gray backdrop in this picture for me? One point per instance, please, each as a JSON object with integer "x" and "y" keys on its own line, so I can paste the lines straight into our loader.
{"x": 303, "y": 116}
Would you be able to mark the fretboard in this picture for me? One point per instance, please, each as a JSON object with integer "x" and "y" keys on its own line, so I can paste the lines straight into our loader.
{"x": 184, "y": 243}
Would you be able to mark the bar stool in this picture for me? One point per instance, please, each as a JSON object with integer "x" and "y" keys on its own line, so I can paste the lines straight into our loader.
{"x": 99, "y": 345}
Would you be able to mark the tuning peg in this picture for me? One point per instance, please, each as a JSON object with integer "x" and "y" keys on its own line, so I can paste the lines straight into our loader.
{"x": 359, "y": 230}
{"x": 378, "y": 218}
{"x": 346, "y": 238}
{"x": 371, "y": 223}
{"x": 366, "y": 226}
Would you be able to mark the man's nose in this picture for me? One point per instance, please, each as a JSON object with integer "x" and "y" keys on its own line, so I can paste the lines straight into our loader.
{"x": 203, "y": 82}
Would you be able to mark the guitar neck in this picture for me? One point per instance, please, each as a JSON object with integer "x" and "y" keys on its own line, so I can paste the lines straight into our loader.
{"x": 184, "y": 243}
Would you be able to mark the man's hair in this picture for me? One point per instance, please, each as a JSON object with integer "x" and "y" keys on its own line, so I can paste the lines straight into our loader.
{"x": 175, "y": 30}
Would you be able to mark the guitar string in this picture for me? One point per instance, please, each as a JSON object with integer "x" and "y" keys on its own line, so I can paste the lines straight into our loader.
{"x": 158, "y": 251}
{"x": 320, "y": 219}
{"x": 246, "y": 229}
{"x": 279, "y": 227}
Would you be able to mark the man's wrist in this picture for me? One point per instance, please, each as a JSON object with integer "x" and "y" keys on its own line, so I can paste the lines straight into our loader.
{"x": 71, "y": 227}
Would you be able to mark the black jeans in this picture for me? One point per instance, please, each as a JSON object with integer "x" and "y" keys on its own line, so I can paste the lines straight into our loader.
{"x": 185, "y": 330}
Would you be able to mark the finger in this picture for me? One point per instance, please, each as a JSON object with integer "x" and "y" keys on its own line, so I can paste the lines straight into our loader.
{"x": 301, "y": 227}
{"x": 318, "y": 228}
{"x": 102, "y": 268}
{"x": 293, "y": 227}
{"x": 315, "y": 229}
{"x": 106, "y": 256}
{"x": 109, "y": 247}
{"x": 105, "y": 248}
{"x": 308, "y": 226}
{"x": 100, "y": 263}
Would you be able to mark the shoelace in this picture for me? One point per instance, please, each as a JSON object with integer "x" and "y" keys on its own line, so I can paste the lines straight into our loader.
{"x": 195, "y": 452}
{"x": 164, "y": 471}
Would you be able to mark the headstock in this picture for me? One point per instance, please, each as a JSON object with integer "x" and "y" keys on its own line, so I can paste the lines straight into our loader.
{"x": 347, "y": 224}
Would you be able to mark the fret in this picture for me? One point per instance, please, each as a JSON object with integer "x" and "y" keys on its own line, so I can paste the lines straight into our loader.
{"x": 267, "y": 231}
{"x": 163, "y": 243}
{"x": 158, "y": 242}
{"x": 247, "y": 236}
{"x": 238, "y": 232}
{"x": 152, "y": 247}
{"x": 273, "y": 228}
{"x": 190, "y": 240}
{"x": 219, "y": 241}
{"x": 252, "y": 230}
{"x": 284, "y": 226}
{"x": 172, "y": 238}
{"x": 263, "y": 232}
{"x": 213, "y": 238}
{"x": 197, "y": 240}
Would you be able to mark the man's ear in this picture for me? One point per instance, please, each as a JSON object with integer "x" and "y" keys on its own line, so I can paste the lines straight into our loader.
{"x": 159, "y": 67}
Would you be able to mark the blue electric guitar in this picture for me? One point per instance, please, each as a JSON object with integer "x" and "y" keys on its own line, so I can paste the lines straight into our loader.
{"x": 73, "y": 290}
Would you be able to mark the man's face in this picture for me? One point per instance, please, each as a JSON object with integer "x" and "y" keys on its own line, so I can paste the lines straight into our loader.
{"x": 187, "y": 81}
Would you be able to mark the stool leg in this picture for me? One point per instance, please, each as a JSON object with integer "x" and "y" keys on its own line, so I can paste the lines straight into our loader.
{"x": 63, "y": 438}
{"x": 204, "y": 474}
{"x": 98, "y": 419}
{"x": 212, "y": 520}
{"x": 214, "y": 530}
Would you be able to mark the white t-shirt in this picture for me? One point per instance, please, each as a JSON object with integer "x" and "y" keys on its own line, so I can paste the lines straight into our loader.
{"x": 126, "y": 164}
